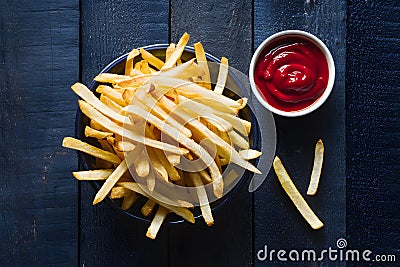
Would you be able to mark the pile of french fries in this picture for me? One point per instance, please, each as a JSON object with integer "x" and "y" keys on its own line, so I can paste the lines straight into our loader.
{"x": 150, "y": 119}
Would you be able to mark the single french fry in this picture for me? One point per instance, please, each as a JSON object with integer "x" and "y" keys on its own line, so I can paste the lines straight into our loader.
{"x": 129, "y": 61}
{"x": 222, "y": 76}
{"x": 124, "y": 146}
{"x": 249, "y": 154}
{"x": 155, "y": 225}
{"x": 202, "y": 61}
{"x": 148, "y": 207}
{"x": 93, "y": 114}
{"x": 240, "y": 125}
{"x": 142, "y": 165}
{"x": 83, "y": 92}
{"x": 112, "y": 94}
{"x": 151, "y": 59}
{"x": 76, "y": 144}
{"x": 203, "y": 199}
{"x": 151, "y": 180}
{"x": 169, "y": 51}
{"x": 157, "y": 164}
{"x": 317, "y": 167}
{"x": 129, "y": 200}
{"x": 90, "y": 132}
{"x": 183, "y": 212}
{"x": 144, "y": 68}
{"x": 92, "y": 175}
{"x": 238, "y": 140}
{"x": 295, "y": 196}
{"x": 110, "y": 78}
{"x": 110, "y": 103}
{"x": 177, "y": 52}
{"x": 110, "y": 182}
{"x": 106, "y": 145}
{"x": 119, "y": 192}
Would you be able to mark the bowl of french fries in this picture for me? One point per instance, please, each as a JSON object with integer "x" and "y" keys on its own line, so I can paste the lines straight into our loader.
{"x": 165, "y": 129}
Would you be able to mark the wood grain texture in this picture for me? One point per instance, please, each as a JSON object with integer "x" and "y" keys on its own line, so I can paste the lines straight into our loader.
{"x": 277, "y": 223}
{"x": 110, "y": 29}
{"x": 225, "y": 29}
{"x": 373, "y": 137}
{"x": 38, "y": 195}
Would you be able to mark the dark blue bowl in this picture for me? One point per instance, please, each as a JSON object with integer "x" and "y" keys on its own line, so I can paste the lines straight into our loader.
{"x": 87, "y": 162}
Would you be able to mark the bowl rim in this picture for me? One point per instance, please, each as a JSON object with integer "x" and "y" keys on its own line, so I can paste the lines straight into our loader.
{"x": 331, "y": 69}
{"x": 82, "y": 164}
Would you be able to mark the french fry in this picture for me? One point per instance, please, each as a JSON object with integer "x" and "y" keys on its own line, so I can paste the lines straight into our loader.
{"x": 76, "y": 144}
{"x": 202, "y": 61}
{"x": 129, "y": 61}
{"x": 110, "y": 182}
{"x": 92, "y": 175}
{"x": 110, "y": 78}
{"x": 119, "y": 192}
{"x": 295, "y": 196}
{"x": 151, "y": 180}
{"x": 222, "y": 76}
{"x": 148, "y": 207}
{"x": 169, "y": 51}
{"x": 155, "y": 225}
{"x": 240, "y": 125}
{"x": 238, "y": 140}
{"x": 112, "y": 94}
{"x": 177, "y": 52}
{"x": 90, "y": 132}
{"x": 111, "y": 104}
{"x": 248, "y": 154}
{"x": 203, "y": 199}
{"x": 142, "y": 165}
{"x": 129, "y": 200}
{"x": 124, "y": 146}
{"x": 83, "y": 92}
{"x": 317, "y": 167}
{"x": 156, "y": 164}
{"x": 152, "y": 60}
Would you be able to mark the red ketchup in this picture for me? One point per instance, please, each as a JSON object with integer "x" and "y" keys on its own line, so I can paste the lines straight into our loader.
{"x": 292, "y": 76}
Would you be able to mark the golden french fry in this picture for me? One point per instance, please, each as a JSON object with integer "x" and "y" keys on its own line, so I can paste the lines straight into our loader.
{"x": 169, "y": 51}
{"x": 129, "y": 61}
{"x": 124, "y": 146}
{"x": 110, "y": 182}
{"x": 202, "y": 61}
{"x": 238, "y": 140}
{"x": 151, "y": 59}
{"x": 222, "y": 76}
{"x": 76, "y": 144}
{"x": 240, "y": 125}
{"x": 156, "y": 164}
{"x": 203, "y": 199}
{"x": 295, "y": 196}
{"x": 90, "y": 132}
{"x": 148, "y": 207}
{"x": 155, "y": 225}
{"x": 249, "y": 154}
{"x": 119, "y": 192}
{"x": 110, "y": 103}
{"x": 92, "y": 175}
{"x": 111, "y": 93}
{"x": 142, "y": 165}
{"x": 129, "y": 200}
{"x": 177, "y": 52}
{"x": 317, "y": 167}
{"x": 83, "y": 92}
{"x": 110, "y": 78}
{"x": 184, "y": 71}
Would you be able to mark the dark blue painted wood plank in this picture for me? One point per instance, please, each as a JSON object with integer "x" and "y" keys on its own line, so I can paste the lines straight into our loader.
{"x": 225, "y": 29}
{"x": 39, "y": 44}
{"x": 277, "y": 223}
{"x": 372, "y": 70}
{"x": 109, "y": 29}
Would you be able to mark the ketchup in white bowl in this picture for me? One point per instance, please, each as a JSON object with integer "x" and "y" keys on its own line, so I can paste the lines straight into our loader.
{"x": 292, "y": 73}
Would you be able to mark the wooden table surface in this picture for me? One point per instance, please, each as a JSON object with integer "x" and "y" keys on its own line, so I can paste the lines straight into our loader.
{"x": 47, "y": 218}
